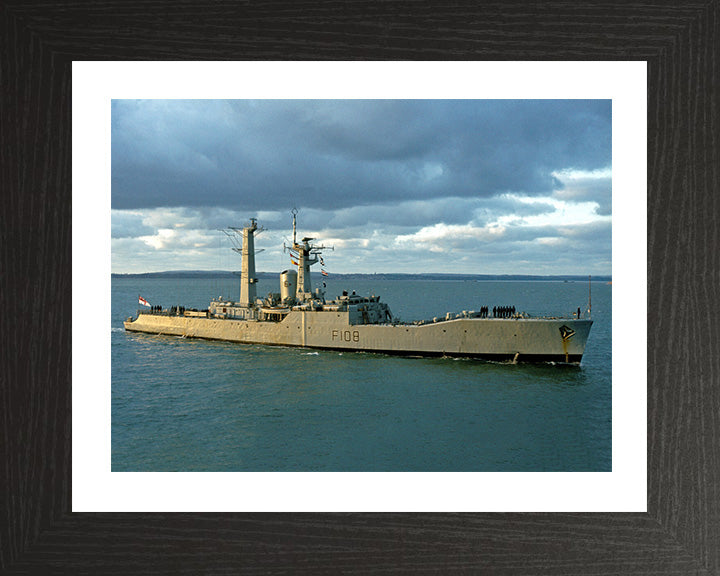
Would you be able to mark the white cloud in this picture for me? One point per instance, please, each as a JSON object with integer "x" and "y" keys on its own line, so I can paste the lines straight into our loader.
{"x": 593, "y": 185}
{"x": 443, "y": 237}
{"x": 563, "y": 213}
{"x": 161, "y": 239}
{"x": 510, "y": 232}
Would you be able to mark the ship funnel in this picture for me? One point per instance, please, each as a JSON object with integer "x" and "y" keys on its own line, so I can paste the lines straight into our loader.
{"x": 288, "y": 285}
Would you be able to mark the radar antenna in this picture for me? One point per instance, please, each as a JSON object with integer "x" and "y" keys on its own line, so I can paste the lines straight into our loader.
{"x": 235, "y": 234}
{"x": 307, "y": 255}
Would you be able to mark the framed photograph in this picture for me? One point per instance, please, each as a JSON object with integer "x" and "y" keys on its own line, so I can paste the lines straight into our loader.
{"x": 70, "y": 509}
{"x": 500, "y": 169}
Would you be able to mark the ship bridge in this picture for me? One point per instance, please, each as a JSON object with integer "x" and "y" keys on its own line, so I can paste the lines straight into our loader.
{"x": 361, "y": 309}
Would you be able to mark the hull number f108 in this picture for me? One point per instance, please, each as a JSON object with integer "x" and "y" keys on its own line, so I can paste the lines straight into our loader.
{"x": 346, "y": 335}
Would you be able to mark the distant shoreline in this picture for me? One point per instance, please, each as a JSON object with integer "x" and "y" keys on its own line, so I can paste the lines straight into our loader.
{"x": 189, "y": 274}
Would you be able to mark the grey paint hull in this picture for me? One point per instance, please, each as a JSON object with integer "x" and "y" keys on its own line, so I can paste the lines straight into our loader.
{"x": 518, "y": 339}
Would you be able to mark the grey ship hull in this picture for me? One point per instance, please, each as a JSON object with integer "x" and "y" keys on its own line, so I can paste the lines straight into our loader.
{"x": 515, "y": 339}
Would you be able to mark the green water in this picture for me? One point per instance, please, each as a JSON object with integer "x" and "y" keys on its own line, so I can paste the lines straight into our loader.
{"x": 183, "y": 405}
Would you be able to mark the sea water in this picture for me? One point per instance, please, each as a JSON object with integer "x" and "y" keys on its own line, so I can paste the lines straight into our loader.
{"x": 181, "y": 404}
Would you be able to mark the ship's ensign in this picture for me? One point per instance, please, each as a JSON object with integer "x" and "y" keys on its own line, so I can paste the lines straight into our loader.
{"x": 566, "y": 332}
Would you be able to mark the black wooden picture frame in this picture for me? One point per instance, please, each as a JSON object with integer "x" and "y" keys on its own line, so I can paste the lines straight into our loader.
{"x": 680, "y": 533}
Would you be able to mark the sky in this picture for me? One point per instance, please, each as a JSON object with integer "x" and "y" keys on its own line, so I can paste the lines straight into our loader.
{"x": 413, "y": 186}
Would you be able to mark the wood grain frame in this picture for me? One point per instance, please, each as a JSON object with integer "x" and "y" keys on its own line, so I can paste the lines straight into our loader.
{"x": 680, "y": 533}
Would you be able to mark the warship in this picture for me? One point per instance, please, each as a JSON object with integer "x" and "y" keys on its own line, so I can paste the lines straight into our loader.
{"x": 297, "y": 315}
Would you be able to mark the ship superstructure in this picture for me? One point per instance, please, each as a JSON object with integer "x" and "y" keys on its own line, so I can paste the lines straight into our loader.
{"x": 297, "y": 315}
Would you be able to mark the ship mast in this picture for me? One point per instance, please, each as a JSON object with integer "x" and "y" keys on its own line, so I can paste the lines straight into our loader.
{"x": 246, "y": 248}
{"x": 307, "y": 254}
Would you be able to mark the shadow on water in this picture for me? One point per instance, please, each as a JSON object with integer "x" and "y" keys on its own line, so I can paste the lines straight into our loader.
{"x": 569, "y": 374}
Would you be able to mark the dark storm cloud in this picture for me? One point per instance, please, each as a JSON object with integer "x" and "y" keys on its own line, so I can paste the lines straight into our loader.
{"x": 272, "y": 155}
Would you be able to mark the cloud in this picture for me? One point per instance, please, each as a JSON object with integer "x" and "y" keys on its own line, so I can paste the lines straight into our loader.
{"x": 594, "y": 185}
{"x": 485, "y": 186}
{"x": 483, "y": 236}
{"x": 443, "y": 237}
{"x": 129, "y": 224}
{"x": 273, "y": 155}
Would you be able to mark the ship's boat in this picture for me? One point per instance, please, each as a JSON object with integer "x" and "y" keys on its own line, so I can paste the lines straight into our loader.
{"x": 301, "y": 316}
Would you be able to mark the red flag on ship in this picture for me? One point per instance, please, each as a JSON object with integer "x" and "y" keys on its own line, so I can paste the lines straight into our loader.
{"x": 324, "y": 273}
{"x": 142, "y": 301}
